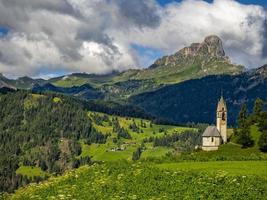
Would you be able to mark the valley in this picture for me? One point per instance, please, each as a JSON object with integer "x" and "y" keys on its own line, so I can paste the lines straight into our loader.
{"x": 118, "y": 152}
{"x": 88, "y": 136}
{"x": 133, "y": 100}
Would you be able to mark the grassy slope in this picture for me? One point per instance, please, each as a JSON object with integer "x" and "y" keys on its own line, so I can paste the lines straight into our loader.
{"x": 30, "y": 171}
{"x": 78, "y": 80}
{"x": 70, "y": 82}
{"x": 189, "y": 179}
{"x": 102, "y": 152}
{"x": 142, "y": 181}
{"x": 233, "y": 168}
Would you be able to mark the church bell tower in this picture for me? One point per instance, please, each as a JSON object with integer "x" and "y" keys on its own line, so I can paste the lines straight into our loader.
{"x": 222, "y": 119}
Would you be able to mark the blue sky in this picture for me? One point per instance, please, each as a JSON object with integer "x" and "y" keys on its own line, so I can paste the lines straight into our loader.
{"x": 3, "y": 31}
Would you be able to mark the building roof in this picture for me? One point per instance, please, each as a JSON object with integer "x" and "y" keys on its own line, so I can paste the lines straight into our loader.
{"x": 211, "y": 131}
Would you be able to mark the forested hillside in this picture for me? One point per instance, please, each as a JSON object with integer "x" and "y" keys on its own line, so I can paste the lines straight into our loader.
{"x": 45, "y": 134}
{"x": 43, "y": 131}
{"x": 196, "y": 100}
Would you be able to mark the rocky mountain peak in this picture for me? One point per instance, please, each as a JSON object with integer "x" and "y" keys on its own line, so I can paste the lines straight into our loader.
{"x": 211, "y": 46}
{"x": 198, "y": 59}
{"x": 215, "y": 45}
{"x": 262, "y": 71}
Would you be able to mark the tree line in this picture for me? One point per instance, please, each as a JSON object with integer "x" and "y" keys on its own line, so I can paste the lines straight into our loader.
{"x": 258, "y": 117}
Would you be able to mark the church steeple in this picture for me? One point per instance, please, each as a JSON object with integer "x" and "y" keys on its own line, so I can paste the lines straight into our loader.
{"x": 222, "y": 118}
{"x": 221, "y": 105}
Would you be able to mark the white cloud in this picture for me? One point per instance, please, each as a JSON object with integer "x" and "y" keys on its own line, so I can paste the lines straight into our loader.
{"x": 95, "y": 36}
{"x": 240, "y": 27}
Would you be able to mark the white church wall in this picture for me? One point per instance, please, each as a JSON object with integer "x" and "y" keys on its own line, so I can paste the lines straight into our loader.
{"x": 211, "y": 141}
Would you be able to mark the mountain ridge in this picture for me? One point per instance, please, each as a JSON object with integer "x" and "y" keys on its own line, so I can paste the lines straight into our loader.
{"x": 194, "y": 61}
{"x": 195, "y": 100}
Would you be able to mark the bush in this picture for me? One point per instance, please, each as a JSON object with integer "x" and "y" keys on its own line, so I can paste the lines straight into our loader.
{"x": 263, "y": 141}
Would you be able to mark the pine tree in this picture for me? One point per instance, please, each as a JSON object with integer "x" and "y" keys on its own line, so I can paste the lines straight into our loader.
{"x": 257, "y": 110}
{"x": 243, "y": 116}
{"x": 137, "y": 154}
{"x": 243, "y": 133}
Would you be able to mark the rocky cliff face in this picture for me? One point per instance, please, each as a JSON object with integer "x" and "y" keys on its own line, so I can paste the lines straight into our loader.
{"x": 210, "y": 49}
{"x": 211, "y": 46}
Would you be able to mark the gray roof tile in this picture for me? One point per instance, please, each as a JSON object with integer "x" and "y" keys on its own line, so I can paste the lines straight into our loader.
{"x": 211, "y": 131}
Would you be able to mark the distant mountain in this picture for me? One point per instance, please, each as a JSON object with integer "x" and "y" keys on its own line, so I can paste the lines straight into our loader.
{"x": 78, "y": 79}
{"x": 20, "y": 83}
{"x": 27, "y": 82}
{"x": 6, "y": 84}
{"x": 196, "y": 100}
{"x": 197, "y": 60}
{"x": 181, "y": 87}
{"x": 84, "y": 91}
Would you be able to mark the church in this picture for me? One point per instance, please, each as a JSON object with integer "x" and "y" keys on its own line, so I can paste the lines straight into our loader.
{"x": 214, "y": 136}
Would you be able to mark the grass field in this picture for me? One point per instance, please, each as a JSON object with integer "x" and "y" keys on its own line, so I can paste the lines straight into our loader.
{"x": 30, "y": 171}
{"x": 124, "y": 180}
{"x": 229, "y": 173}
{"x": 70, "y": 82}
{"x": 233, "y": 168}
{"x": 103, "y": 152}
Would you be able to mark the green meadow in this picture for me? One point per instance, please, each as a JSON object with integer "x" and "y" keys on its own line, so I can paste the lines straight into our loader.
{"x": 125, "y": 180}
{"x": 103, "y": 152}
{"x": 161, "y": 173}
{"x": 30, "y": 171}
{"x": 245, "y": 168}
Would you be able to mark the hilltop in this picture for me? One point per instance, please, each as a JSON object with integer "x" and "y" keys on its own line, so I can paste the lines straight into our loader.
{"x": 197, "y": 60}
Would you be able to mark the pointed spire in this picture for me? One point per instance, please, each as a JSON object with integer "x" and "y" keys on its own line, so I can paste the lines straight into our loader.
{"x": 221, "y": 103}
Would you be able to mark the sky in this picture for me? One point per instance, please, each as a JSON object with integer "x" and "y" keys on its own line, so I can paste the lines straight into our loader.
{"x": 256, "y": 2}
{"x": 49, "y": 38}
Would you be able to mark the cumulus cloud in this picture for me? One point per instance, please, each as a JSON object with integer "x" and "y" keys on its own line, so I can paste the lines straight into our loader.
{"x": 97, "y": 36}
{"x": 241, "y": 28}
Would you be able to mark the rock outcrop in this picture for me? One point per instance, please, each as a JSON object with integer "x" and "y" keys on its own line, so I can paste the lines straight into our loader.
{"x": 211, "y": 47}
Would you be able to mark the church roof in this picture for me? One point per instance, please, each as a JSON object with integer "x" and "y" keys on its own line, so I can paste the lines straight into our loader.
{"x": 211, "y": 131}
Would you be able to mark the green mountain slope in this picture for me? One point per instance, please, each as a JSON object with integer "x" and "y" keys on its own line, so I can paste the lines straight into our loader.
{"x": 124, "y": 180}
{"x": 197, "y": 60}
{"x": 45, "y": 134}
{"x": 40, "y": 131}
{"x": 78, "y": 79}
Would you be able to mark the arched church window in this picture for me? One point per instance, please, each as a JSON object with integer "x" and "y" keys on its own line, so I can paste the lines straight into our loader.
{"x": 212, "y": 139}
